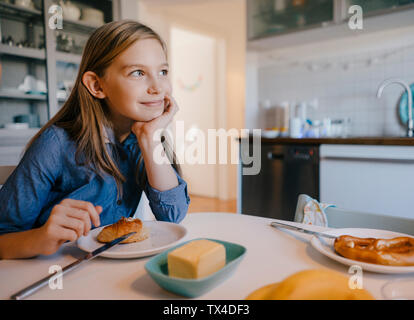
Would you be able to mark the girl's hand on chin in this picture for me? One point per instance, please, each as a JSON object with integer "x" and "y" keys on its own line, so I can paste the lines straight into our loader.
{"x": 146, "y": 130}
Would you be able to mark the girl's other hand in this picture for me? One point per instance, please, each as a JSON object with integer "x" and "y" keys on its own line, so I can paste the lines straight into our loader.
{"x": 147, "y": 129}
{"x": 68, "y": 221}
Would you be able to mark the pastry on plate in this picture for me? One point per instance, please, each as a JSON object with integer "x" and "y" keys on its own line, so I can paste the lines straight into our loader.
{"x": 392, "y": 252}
{"x": 122, "y": 227}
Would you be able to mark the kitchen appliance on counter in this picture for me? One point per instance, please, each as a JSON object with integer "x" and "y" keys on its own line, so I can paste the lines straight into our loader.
{"x": 286, "y": 171}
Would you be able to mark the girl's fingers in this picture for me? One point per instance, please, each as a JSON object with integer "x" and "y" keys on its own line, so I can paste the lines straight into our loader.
{"x": 167, "y": 102}
{"x": 86, "y": 206}
{"x": 67, "y": 234}
{"x": 172, "y": 106}
{"x": 82, "y": 216}
{"x": 69, "y": 222}
{"x": 168, "y": 114}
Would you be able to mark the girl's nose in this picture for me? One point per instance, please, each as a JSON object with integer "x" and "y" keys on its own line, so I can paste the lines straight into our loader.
{"x": 154, "y": 88}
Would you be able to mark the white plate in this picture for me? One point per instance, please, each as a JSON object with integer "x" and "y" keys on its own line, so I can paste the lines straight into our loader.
{"x": 162, "y": 236}
{"x": 325, "y": 246}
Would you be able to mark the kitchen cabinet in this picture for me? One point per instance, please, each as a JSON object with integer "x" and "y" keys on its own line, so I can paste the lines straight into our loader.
{"x": 380, "y": 6}
{"x": 286, "y": 171}
{"x": 64, "y": 46}
{"x": 23, "y": 53}
{"x": 272, "y": 17}
{"x": 370, "y": 175}
{"x": 43, "y": 58}
{"x": 269, "y": 18}
{"x": 29, "y": 46}
{"x": 373, "y": 179}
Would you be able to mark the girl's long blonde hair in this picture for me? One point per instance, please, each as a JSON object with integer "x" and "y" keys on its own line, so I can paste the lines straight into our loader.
{"x": 84, "y": 117}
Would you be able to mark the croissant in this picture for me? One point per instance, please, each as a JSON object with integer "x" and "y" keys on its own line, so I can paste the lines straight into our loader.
{"x": 122, "y": 227}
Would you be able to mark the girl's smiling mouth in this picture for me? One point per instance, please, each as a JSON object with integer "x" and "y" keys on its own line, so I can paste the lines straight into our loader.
{"x": 153, "y": 103}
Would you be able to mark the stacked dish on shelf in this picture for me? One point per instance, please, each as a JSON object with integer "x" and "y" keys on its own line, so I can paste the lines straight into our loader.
{"x": 93, "y": 16}
{"x": 88, "y": 15}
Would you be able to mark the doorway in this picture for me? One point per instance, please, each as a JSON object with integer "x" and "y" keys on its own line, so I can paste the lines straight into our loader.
{"x": 195, "y": 77}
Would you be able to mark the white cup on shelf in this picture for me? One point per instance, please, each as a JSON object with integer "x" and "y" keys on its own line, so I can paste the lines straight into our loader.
{"x": 295, "y": 126}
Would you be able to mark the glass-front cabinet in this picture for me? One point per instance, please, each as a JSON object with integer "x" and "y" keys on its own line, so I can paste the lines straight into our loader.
{"x": 39, "y": 63}
{"x": 80, "y": 19}
{"x": 380, "y": 6}
{"x": 277, "y": 17}
{"x": 270, "y": 17}
{"x": 23, "y": 86}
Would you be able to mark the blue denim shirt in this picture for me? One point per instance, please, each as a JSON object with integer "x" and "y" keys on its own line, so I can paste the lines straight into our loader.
{"x": 48, "y": 173}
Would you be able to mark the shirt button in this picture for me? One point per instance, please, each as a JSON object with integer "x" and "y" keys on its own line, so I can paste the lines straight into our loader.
{"x": 119, "y": 202}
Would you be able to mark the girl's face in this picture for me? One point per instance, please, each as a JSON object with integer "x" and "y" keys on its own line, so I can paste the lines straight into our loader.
{"x": 136, "y": 83}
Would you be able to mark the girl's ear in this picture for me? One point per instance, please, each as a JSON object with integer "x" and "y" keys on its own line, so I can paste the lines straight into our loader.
{"x": 91, "y": 81}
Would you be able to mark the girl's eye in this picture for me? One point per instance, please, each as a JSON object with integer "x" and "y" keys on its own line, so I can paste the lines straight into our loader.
{"x": 137, "y": 73}
{"x": 141, "y": 73}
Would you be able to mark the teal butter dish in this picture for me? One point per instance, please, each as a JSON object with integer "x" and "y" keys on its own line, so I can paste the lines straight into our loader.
{"x": 157, "y": 268}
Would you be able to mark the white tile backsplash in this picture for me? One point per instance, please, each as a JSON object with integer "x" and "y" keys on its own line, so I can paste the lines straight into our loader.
{"x": 344, "y": 93}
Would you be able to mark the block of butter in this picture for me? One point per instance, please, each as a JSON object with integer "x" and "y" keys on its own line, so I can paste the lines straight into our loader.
{"x": 196, "y": 259}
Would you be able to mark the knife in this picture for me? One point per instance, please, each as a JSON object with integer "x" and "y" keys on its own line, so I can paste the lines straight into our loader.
{"x": 41, "y": 283}
{"x": 287, "y": 226}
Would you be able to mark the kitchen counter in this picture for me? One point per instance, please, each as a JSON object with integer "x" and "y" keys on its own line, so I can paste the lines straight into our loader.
{"x": 270, "y": 257}
{"x": 384, "y": 141}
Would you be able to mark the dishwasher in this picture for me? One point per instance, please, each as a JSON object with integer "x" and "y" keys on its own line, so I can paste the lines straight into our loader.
{"x": 286, "y": 172}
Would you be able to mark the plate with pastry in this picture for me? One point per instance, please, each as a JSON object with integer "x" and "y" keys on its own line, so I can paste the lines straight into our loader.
{"x": 151, "y": 237}
{"x": 374, "y": 250}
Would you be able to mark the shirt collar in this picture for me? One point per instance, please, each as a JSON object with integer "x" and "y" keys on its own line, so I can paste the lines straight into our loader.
{"x": 131, "y": 139}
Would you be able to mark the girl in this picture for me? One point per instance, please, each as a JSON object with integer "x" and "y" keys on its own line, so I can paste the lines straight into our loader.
{"x": 88, "y": 166}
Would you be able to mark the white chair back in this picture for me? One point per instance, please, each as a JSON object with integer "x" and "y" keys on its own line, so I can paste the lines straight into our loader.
{"x": 343, "y": 218}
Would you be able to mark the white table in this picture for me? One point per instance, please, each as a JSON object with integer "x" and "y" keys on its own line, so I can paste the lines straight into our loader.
{"x": 271, "y": 256}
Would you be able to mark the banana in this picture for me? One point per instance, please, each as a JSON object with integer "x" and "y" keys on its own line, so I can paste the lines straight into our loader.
{"x": 315, "y": 284}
